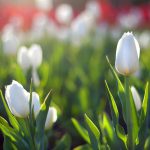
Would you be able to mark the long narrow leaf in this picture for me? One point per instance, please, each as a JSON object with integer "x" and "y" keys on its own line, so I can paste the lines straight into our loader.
{"x": 82, "y": 131}
{"x": 94, "y": 133}
{"x": 113, "y": 106}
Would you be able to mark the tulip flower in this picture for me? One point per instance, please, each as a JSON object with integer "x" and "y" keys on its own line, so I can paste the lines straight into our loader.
{"x": 23, "y": 58}
{"x": 136, "y": 98}
{"x": 51, "y": 117}
{"x": 93, "y": 7}
{"x": 64, "y": 14}
{"x": 45, "y": 5}
{"x": 31, "y": 57}
{"x": 127, "y": 55}
{"x": 17, "y": 99}
{"x": 35, "y": 54}
{"x": 35, "y": 103}
{"x": 10, "y": 43}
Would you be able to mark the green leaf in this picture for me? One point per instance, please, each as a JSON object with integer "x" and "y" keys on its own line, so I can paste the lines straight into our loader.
{"x": 147, "y": 144}
{"x": 144, "y": 109}
{"x": 83, "y": 147}
{"x": 15, "y": 137}
{"x": 110, "y": 134}
{"x": 8, "y": 144}
{"x": 40, "y": 120}
{"x": 144, "y": 119}
{"x": 113, "y": 106}
{"x": 121, "y": 134}
{"x": 132, "y": 120}
{"x": 4, "y": 122}
{"x": 12, "y": 119}
{"x": 64, "y": 143}
{"x": 121, "y": 90}
{"x": 82, "y": 131}
{"x": 94, "y": 133}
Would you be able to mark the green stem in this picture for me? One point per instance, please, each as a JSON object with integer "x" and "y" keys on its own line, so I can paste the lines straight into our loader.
{"x": 130, "y": 141}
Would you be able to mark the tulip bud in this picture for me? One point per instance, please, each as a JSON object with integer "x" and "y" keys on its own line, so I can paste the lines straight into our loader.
{"x": 136, "y": 98}
{"x": 23, "y": 58}
{"x": 10, "y": 43}
{"x": 64, "y": 14}
{"x": 35, "y": 54}
{"x": 127, "y": 55}
{"x": 51, "y": 117}
{"x": 35, "y": 103}
{"x": 17, "y": 99}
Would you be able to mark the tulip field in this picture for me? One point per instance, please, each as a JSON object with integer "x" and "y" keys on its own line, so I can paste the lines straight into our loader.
{"x": 80, "y": 86}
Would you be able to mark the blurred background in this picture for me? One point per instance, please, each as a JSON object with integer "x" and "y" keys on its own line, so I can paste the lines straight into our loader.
{"x": 75, "y": 36}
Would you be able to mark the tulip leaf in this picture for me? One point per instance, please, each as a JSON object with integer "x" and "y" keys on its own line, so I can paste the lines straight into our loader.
{"x": 12, "y": 119}
{"x": 83, "y": 147}
{"x": 121, "y": 133}
{"x": 93, "y": 132}
{"x": 8, "y": 144}
{"x": 132, "y": 120}
{"x": 147, "y": 143}
{"x": 144, "y": 109}
{"x": 144, "y": 119}
{"x": 82, "y": 131}
{"x": 40, "y": 120}
{"x": 64, "y": 143}
{"x": 14, "y": 137}
{"x": 115, "y": 116}
{"x": 4, "y": 122}
{"x": 113, "y": 106}
{"x": 109, "y": 132}
{"x": 121, "y": 90}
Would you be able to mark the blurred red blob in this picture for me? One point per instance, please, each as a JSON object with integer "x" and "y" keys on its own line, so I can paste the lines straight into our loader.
{"x": 108, "y": 14}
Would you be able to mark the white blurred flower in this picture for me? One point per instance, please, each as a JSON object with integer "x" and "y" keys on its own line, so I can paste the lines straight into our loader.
{"x": 44, "y": 4}
{"x": 144, "y": 39}
{"x": 81, "y": 26}
{"x": 130, "y": 20}
{"x": 10, "y": 42}
{"x": 94, "y": 8}
{"x": 64, "y": 14}
{"x": 35, "y": 54}
{"x": 23, "y": 58}
{"x": 136, "y": 98}
{"x": 51, "y": 117}
{"x": 127, "y": 54}
{"x": 17, "y": 99}
{"x": 31, "y": 57}
{"x": 39, "y": 26}
{"x": 35, "y": 103}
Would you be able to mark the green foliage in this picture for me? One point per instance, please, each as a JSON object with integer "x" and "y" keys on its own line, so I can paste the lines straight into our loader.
{"x": 113, "y": 135}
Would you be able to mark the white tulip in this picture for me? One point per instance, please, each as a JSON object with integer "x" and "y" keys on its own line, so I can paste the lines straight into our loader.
{"x": 10, "y": 43}
{"x": 35, "y": 54}
{"x": 35, "y": 103}
{"x": 94, "y": 8}
{"x": 64, "y": 13}
{"x": 17, "y": 99}
{"x": 51, "y": 117}
{"x": 44, "y": 4}
{"x": 136, "y": 98}
{"x": 23, "y": 58}
{"x": 127, "y": 54}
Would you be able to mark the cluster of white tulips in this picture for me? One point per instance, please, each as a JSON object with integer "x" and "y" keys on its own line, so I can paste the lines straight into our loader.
{"x": 30, "y": 58}
{"x": 18, "y": 101}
